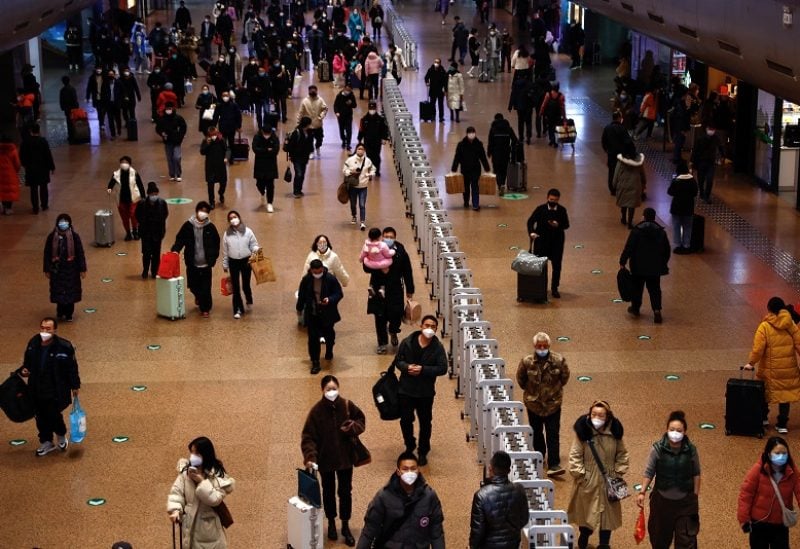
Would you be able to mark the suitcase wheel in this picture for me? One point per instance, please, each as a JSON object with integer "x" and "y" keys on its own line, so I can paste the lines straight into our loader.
{"x": 467, "y": 437}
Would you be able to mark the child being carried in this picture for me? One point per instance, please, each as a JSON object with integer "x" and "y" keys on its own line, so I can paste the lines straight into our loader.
{"x": 377, "y": 258}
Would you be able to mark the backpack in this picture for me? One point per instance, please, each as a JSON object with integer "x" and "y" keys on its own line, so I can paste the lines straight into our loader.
{"x": 290, "y": 142}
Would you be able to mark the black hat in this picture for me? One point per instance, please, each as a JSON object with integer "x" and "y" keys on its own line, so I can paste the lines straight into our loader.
{"x": 152, "y": 187}
{"x": 121, "y": 545}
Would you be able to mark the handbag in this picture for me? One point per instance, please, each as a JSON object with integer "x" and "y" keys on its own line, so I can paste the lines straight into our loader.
{"x": 789, "y": 515}
{"x": 16, "y": 400}
{"x": 170, "y": 265}
{"x": 226, "y": 286}
{"x": 287, "y": 175}
{"x": 343, "y": 193}
{"x": 359, "y": 453}
{"x": 208, "y": 114}
{"x": 625, "y": 284}
{"x": 616, "y": 488}
{"x": 412, "y": 312}
{"x": 224, "y": 514}
{"x": 77, "y": 422}
{"x": 262, "y": 267}
{"x": 352, "y": 180}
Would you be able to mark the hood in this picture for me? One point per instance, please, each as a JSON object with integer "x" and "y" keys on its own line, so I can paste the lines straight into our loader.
{"x": 183, "y": 464}
{"x": 233, "y": 230}
{"x": 649, "y": 227}
{"x": 585, "y": 430}
{"x": 501, "y": 125}
{"x": 781, "y": 321}
{"x": 372, "y": 55}
{"x": 635, "y": 163}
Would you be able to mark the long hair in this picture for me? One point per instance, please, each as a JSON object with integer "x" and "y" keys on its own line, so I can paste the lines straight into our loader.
{"x": 205, "y": 448}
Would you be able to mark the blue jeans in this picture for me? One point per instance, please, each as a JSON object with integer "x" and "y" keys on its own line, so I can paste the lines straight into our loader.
{"x": 682, "y": 230}
{"x": 361, "y": 196}
{"x": 299, "y": 175}
{"x": 173, "y": 159}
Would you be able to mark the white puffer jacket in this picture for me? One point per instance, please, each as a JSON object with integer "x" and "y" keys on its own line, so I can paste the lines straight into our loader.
{"x": 367, "y": 169}
{"x": 331, "y": 262}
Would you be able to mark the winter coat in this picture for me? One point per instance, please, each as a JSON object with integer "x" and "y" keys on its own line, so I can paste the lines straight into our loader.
{"x": 649, "y": 107}
{"x": 323, "y": 441}
{"x": 432, "y": 358}
{"x": 422, "y": 529}
{"x": 436, "y": 79}
{"x": 397, "y": 282}
{"x": 499, "y": 512}
{"x": 306, "y": 299}
{"x": 455, "y": 91}
{"x": 523, "y": 97}
{"x": 9, "y": 172}
{"x": 339, "y": 64}
{"x": 373, "y": 64}
{"x": 65, "y": 274}
{"x": 35, "y": 155}
{"x": 301, "y": 145}
{"x": 553, "y": 108}
{"x": 314, "y": 108}
{"x": 56, "y": 377}
{"x": 200, "y": 523}
{"x": 353, "y": 163}
{"x": 542, "y": 381}
{"x": 238, "y": 244}
{"x": 683, "y": 191}
{"x": 460, "y": 35}
{"x": 344, "y": 105}
{"x": 184, "y": 240}
{"x": 203, "y": 103}
{"x": 265, "y": 151}
{"x": 615, "y": 138}
{"x": 135, "y": 190}
{"x": 227, "y": 117}
{"x": 757, "y": 501}
{"x": 629, "y": 181}
{"x": 68, "y": 98}
{"x": 171, "y": 128}
{"x": 372, "y": 129}
{"x": 356, "y": 26}
{"x": 647, "y": 248}
{"x": 376, "y": 255}
{"x": 491, "y": 45}
{"x": 152, "y": 217}
{"x": 330, "y": 260}
{"x": 470, "y": 155}
{"x": 550, "y": 240}
{"x": 775, "y": 347}
{"x": 589, "y": 506}
{"x": 215, "y": 150}
{"x": 705, "y": 150}
{"x": 502, "y": 143}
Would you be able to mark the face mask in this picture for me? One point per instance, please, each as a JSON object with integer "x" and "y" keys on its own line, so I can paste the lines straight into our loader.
{"x": 552, "y": 204}
{"x": 779, "y": 459}
{"x": 710, "y": 132}
{"x": 597, "y": 423}
{"x": 389, "y": 241}
{"x": 202, "y": 216}
{"x": 225, "y": 98}
{"x": 542, "y": 352}
{"x": 126, "y": 74}
{"x": 168, "y": 113}
{"x": 317, "y": 275}
{"x": 47, "y": 336}
{"x": 63, "y": 225}
{"x": 124, "y": 166}
{"x": 157, "y": 71}
{"x": 674, "y": 436}
{"x": 235, "y": 221}
{"x": 436, "y": 64}
{"x": 205, "y": 92}
{"x": 152, "y": 197}
{"x": 98, "y": 73}
{"x": 221, "y": 59}
{"x": 332, "y": 394}
{"x": 471, "y": 135}
{"x": 373, "y": 111}
{"x": 409, "y": 477}
{"x": 261, "y": 73}
{"x": 322, "y": 247}
{"x": 312, "y": 94}
{"x": 253, "y": 63}
{"x": 623, "y": 97}
{"x": 429, "y": 332}
{"x": 195, "y": 460}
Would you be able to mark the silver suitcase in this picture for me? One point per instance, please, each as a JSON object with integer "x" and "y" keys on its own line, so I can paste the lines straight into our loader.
{"x": 171, "y": 297}
{"x": 103, "y": 228}
{"x": 304, "y": 526}
{"x": 517, "y": 179}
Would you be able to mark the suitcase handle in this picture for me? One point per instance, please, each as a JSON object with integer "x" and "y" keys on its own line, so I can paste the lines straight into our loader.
{"x": 741, "y": 373}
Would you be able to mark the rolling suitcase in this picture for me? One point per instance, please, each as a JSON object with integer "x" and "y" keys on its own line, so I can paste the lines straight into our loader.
{"x": 241, "y": 148}
{"x": 533, "y": 288}
{"x": 132, "y": 128}
{"x": 324, "y": 71}
{"x": 304, "y": 520}
{"x": 80, "y": 132}
{"x": 170, "y": 297}
{"x": 427, "y": 111}
{"x": 698, "y": 242}
{"x": 517, "y": 178}
{"x": 744, "y": 406}
{"x": 103, "y": 228}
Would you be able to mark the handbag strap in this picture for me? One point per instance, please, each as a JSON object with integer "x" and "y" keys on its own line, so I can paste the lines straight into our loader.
{"x": 590, "y": 442}
{"x": 777, "y": 493}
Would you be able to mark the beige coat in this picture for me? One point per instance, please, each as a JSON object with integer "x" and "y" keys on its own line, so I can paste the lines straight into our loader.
{"x": 455, "y": 91}
{"x": 199, "y": 521}
{"x": 315, "y": 109}
{"x": 589, "y": 505}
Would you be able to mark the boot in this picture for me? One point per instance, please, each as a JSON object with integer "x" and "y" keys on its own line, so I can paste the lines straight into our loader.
{"x": 349, "y": 540}
{"x": 128, "y": 236}
{"x": 136, "y": 234}
{"x": 332, "y": 530}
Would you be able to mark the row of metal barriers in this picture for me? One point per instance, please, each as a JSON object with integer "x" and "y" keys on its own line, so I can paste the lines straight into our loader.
{"x": 402, "y": 38}
{"x": 495, "y": 418}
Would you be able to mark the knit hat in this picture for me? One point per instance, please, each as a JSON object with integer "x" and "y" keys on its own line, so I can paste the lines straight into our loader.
{"x": 152, "y": 188}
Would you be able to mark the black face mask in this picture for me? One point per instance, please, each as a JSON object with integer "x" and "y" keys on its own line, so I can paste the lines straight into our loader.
{"x": 552, "y": 204}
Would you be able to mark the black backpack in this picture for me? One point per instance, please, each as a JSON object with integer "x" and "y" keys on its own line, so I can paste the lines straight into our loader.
{"x": 290, "y": 142}
{"x": 15, "y": 399}
{"x": 386, "y": 394}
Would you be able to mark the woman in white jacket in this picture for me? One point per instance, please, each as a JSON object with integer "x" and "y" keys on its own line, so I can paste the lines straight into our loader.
{"x": 238, "y": 244}
{"x": 323, "y": 250}
{"x": 359, "y": 165}
{"x": 455, "y": 92}
{"x": 196, "y": 495}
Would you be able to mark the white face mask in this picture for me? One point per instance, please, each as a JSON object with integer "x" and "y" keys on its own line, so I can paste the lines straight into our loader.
{"x": 471, "y": 135}
{"x": 235, "y": 221}
{"x": 124, "y": 166}
{"x": 195, "y": 460}
{"x": 202, "y": 216}
{"x": 409, "y": 477}
{"x": 317, "y": 275}
{"x": 373, "y": 111}
{"x": 322, "y": 247}
{"x": 46, "y": 336}
{"x": 168, "y": 112}
{"x": 429, "y": 332}
{"x": 598, "y": 423}
{"x": 675, "y": 436}
{"x": 225, "y": 98}
{"x": 332, "y": 394}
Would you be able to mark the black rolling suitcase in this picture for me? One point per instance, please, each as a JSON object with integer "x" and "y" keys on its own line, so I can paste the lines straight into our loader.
{"x": 133, "y": 130}
{"x": 744, "y": 406}
{"x": 241, "y": 148}
{"x": 698, "y": 242}
{"x": 324, "y": 71}
{"x": 517, "y": 179}
{"x": 533, "y": 288}
{"x": 427, "y": 111}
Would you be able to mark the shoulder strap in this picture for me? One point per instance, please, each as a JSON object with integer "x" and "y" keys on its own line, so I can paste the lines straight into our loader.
{"x": 389, "y": 533}
{"x": 590, "y": 442}
{"x": 777, "y": 493}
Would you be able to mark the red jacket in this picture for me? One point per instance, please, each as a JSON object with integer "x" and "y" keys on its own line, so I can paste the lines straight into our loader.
{"x": 9, "y": 172}
{"x": 757, "y": 500}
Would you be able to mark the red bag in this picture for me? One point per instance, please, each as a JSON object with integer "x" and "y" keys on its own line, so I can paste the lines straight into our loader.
{"x": 170, "y": 266}
{"x": 226, "y": 286}
{"x": 78, "y": 114}
{"x": 640, "y": 530}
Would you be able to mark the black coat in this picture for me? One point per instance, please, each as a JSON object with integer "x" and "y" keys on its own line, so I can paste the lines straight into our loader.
{"x": 171, "y": 128}
{"x": 522, "y": 97}
{"x": 344, "y": 105}
{"x": 499, "y": 512}
{"x": 372, "y": 129}
{"x": 301, "y": 145}
{"x": 35, "y": 156}
{"x": 683, "y": 191}
{"x": 550, "y": 242}
{"x": 615, "y": 138}
{"x": 432, "y": 358}
{"x": 306, "y": 300}
{"x": 56, "y": 377}
{"x": 129, "y": 90}
{"x": 647, "y": 249}
{"x": 184, "y": 240}
{"x": 398, "y": 281}
{"x": 68, "y": 98}
{"x": 502, "y": 142}
{"x": 323, "y": 442}
{"x": 65, "y": 275}
{"x": 227, "y": 117}
{"x": 470, "y": 155}
{"x": 265, "y": 151}
{"x": 152, "y": 218}
{"x": 214, "y": 151}
{"x": 436, "y": 78}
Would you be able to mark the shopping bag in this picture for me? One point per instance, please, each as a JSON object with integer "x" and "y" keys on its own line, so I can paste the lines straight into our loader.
{"x": 77, "y": 422}
{"x": 640, "y": 530}
{"x": 287, "y": 175}
{"x": 170, "y": 265}
{"x": 226, "y": 286}
{"x": 262, "y": 267}
{"x": 412, "y": 312}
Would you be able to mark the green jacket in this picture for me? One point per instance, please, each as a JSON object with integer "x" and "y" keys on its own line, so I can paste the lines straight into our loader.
{"x": 543, "y": 380}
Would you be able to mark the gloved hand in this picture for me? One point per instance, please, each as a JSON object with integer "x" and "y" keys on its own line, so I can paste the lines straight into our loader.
{"x": 746, "y": 527}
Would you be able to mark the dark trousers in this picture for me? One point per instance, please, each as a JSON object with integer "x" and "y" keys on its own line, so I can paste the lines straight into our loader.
{"x": 705, "y": 178}
{"x": 471, "y": 187}
{"x": 114, "y": 120}
{"x": 381, "y": 324}
{"x": 551, "y": 130}
{"x": 586, "y": 533}
{"x": 524, "y": 124}
{"x": 673, "y": 518}
{"x": 555, "y": 263}
{"x": 653, "y": 284}
{"x": 612, "y": 166}
{"x": 129, "y": 111}
{"x": 317, "y": 134}
{"x": 210, "y": 187}
{"x": 240, "y": 280}
{"x": 374, "y": 154}
{"x": 423, "y": 406}
{"x": 545, "y": 436}
{"x": 65, "y": 310}
{"x": 317, "y": 329}
{"x": 153, "y": 106}
{"x": 345, "y": 130}
{"x": 230, "y": 138}
{"x": 299, "y": 175}
{"x": 783, "y": 413}
{"x": 539, "y": 124}
{"x": 70, "y": 125}
{"x": 329, "y": 493}
{"x": 40, "y": 196}
{"x": 262, "y": 108}
{"x": 49, "y": 420}
{"x": 501, "y": 171}
{"x": 280, "y": 106}
{"x": 764, "y": 535}
{"x": 102, "y": 111}
{"x": 199, "y": 282}
{"x": 678, "y": 140}
{"x": 266, "y": 185}
{"x": 151, "y": 255}
{"x": 440, "y": 100}
{"x": 372, "y": 85}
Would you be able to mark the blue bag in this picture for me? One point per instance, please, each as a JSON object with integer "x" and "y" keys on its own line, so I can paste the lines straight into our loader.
{"x": 77, "y": 422}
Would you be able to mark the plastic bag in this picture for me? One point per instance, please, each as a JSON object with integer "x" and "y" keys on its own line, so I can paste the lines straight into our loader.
{"x": 77, "y": 422}
{"x": 226, "y": 286}
{"x": 640, "y": 530}
{"x": 528, "y": 264}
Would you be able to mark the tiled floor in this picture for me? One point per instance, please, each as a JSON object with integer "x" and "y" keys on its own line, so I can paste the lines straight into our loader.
{"x": 246, "y": 385}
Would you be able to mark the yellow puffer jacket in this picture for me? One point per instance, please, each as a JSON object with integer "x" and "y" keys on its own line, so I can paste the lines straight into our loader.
{"x": 775, "y": 345}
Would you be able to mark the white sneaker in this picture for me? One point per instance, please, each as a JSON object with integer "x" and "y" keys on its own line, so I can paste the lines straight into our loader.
{"x": 63, "y": 443}
{"x": 172, "y": 179}
{"x": 363, "y": 227}
{"x": 322, "y": 340}
{"x": 45, "y": 448}
{"x": 237, "y": 315}
{"x": 782, "y": 430}
{"x": 270, "y": 209}
{"x": 178, "y": 179}
{"x": 352, "y": 220}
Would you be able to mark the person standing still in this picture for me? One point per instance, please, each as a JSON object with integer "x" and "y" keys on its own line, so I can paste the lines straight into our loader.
{"x": 704, "y": 160}
{"x": 130, "y": 192}
{"x": 37, "y": 159}
{"x": 542, "y": 377}
{"x": 471, "y": 156}
{"x": 436, "y": 80}
{"x": 152, "y": 216}
{"x": 265, "y": 166}
{"x": 200, "y": 239}
{"x": 546, "y": 227}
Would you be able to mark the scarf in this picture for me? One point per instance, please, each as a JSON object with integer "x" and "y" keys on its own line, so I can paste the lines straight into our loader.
{"x": 56, "y": 255}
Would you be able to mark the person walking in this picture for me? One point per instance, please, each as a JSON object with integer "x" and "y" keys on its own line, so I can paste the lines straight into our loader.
{"x": 491, "y": 48}
{"x": 200, "y": 239}
{"x": 460, "y": 40}
{"x": 455, "y": 92}
{"x": 67, "y": 101}
{"x": 647, "y": 249}
{"x": 51, "y": 369}
{"x": 406, "y": 512}
{"x": 629, "y": 184}
{"x": 152, "y": 215}
{"x": 436, "y": 80}
{"x": 156, "y": 82}
{"x": 546, "y": 229}
{"x": 322, "y": 249}
{"x": 775, "y": 347}
{"x": 542, "y": 377}
{"x": 502, "y": 147}
{"x": 265, "y": 166}
{"x": 300, "y": 146}
{"x": 205, "y": 104}
{"x": 315, "y": 109}
{"x": 129, "y": 95}
{"x": 318, "y": 301}
{"x": 172, "y": 129}
{"x": 598, "y": 451}
{"x": 373, "y": 132}
{"x": 773, "y": 476}
{"x": 373, "y": 65}
{"x": 674, "y": 500}
{"x": 615, "y": 140}
{"x": 359, "y": 165}
{"x": 398, "y": 283}
{"x": 683, "y": 190}
{"x": 200, "y": 488}
{"x": 327, "y": 446}
{"x": 37, "y": 159}
{"x": 524, "y": 100}
{"x": 228, "y": 121}
{"x": 499, "y": 508}
{"x": 648, "y": 112}
{"x": 64, "y": 266}
{"x": 471, "y": 156}
{"x": 421, "y": 358}
{"x": 343, "y": 107}
{"x": 214, "y": 149}
{"x": 704, "y": 160}
{"x": 238, "y": 244}
{"x": 553, "y": 112}
{"x": 129, "y": 191}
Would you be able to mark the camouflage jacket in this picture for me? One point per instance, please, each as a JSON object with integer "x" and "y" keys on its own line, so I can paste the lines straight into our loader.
{"x": 543, "y": 380}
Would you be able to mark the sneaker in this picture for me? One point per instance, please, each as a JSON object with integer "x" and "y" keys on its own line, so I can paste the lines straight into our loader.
{"x": 393, "y": 340}
{"x": 363, "y": 226}
{"x": 178, "y": 179}
{"x": 172, "y": 179}
{"x": 765, "y": 423}
{"x": 353, "y": 221}
{"x": 45, "y": 449}
{"x": 270, "y": 209}
{"x": 781, "y": 430}
{"x": 381, "y": 350}
{"x": 63, "y": 443}
{"x": 237, "y": 315}
{"x": 555, "y": 471}
{"x": 315, "y": 368}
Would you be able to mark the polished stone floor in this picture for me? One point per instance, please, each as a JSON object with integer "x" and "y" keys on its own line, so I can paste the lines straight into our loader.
{"x": 245, "y": 383}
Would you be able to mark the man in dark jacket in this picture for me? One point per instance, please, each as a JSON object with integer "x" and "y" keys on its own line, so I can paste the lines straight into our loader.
{"x": 436, "y": 80}
{"x": 53, "y": 381}
{"x": 406, "y": 512}
{"x": 199, "y": 239}
{"x": 36, "y": 157}
{"x": 421, "y": 358}
{"x": 399, "y": 284}
{"x": 111, "y": 96}
{"x": 499, "y": 509}
{"x": 373, "y": 131}
{"x": 343, "y": 107}
{"x": 318, "y": 301}
{"x": 460, "y": 38}
{"x": 172, "y": 129}
{"x": 683, "y": 190}
{"x": 471, "y": 156}
{"x": 130, "y": 95}
{"x": 614, "y": 140}
{"x": 207, "y": 32}
{"x": 501, "y": 147}
{"x": 228, "y": 120}
{"x": 214, "y": 149}
{"x": 523, "y": 100}
{"x": 152, "y": 216}
{"x": 260, "y": 88}
{"x": 647, "y": 249}
{"x": 704, "y": 160}
{"x": 299, "y": 146}
{"x": 266, "y": 147}
{"x": 546, "y": 227}
{"x": 280, "y": 88}
{"x": 183, "y": 18}
{"x": 68, "y": 100}
{"x": 225, "y": 29}
{"x": 155, "y": 81}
